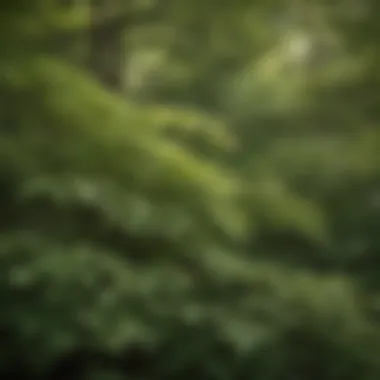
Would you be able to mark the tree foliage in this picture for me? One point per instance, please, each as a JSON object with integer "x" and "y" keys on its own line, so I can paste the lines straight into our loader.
{"x": 211, "y": 212}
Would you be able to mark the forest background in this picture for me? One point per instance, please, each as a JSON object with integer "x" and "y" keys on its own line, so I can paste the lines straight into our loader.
{"x": 190, "y": 189}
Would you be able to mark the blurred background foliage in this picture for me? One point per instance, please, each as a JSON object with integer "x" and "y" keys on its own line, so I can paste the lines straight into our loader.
{"x": 190, "y": 189}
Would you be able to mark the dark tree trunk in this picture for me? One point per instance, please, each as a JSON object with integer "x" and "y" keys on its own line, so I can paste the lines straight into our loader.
{"x": 106, "y": 46}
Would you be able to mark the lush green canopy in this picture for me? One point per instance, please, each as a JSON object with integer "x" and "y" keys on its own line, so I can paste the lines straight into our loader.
{"x": 205, "y": 207}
